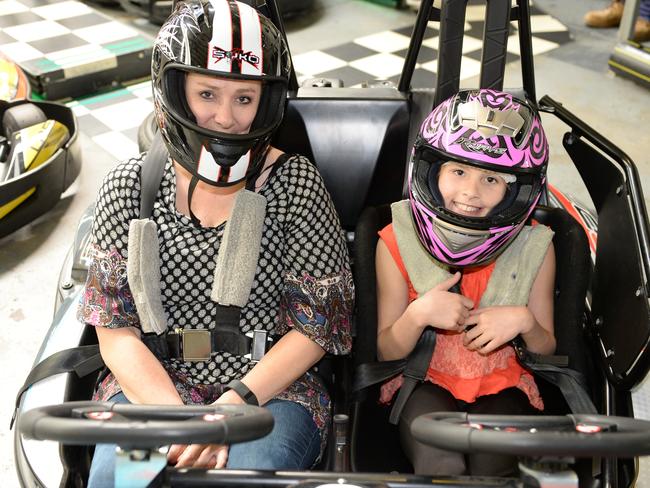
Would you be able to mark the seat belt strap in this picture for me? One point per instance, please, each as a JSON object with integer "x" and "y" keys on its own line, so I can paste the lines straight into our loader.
{"x": 555, "y": 370}
{"x": 81, "y": 360}
{"x": 368, "y": 374}
{"x": 415, "y": 371}
{"x": 570, "y": 382}
{"x": 153, "y": 168}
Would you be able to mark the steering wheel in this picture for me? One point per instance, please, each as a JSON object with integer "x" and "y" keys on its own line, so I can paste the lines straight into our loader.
{"x": 145, "y": 426}
{"x": 530, "y": 435}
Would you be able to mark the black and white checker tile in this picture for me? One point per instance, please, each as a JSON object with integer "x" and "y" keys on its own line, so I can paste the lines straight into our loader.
{"x": 55, "y": 41}
{"x": 381, "y": 55}
{"x": 111, "y": 120}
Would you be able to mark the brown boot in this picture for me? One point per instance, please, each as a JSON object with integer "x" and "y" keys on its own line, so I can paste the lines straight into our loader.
{"x": 642, "y": 30}
{"x": 607, "y": 17}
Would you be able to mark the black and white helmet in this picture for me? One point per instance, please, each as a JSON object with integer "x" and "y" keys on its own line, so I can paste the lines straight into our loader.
{"x": 222, "y": 38}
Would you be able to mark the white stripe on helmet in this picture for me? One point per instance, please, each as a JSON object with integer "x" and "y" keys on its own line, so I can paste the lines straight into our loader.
{"x": 210, "y": 170}
{"x": 251, "y": 40}
{"x": 221, "y": 43}
{"x": 208, "y": 167}
{"x": 238, "y": 171}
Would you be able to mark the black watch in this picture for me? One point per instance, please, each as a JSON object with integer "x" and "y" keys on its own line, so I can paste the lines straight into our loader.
{"x": 243, "y": 391}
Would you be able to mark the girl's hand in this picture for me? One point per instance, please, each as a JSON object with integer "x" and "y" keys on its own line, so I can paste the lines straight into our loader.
{"x": 442, "y": 308}
{"x": 488, "y": 328}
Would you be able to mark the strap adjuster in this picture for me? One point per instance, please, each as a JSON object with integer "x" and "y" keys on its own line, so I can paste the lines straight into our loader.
{"x": 259, "y": 341}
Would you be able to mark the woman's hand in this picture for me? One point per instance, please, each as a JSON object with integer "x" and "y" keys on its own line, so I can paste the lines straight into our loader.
{"x": 209, "y": 456}
{"x": 441, "y": 308}
{"x": 487, "y": 329}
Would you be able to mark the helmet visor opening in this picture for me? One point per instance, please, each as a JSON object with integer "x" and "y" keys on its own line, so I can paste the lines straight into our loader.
{"x": 267, "y": 117}
{"x": 515, "y": 205}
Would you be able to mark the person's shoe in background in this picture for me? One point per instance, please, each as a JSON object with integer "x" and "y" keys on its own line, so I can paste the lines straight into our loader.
{"x": 607, "y": 17}
{"x": 642, "y": 30}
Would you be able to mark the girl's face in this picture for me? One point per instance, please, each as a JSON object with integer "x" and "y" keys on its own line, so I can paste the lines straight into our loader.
{"x": 223, "y": 105}
{"x": 470, "y": 191}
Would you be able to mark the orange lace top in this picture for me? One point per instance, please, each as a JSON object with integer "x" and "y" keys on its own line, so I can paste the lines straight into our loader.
{"x": 465, "y": 374}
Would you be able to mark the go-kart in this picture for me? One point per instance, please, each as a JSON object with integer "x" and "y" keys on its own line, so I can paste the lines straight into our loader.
{"x": 39, "y": 153}
{"x": 40, "y": 157}
{"x": 359, "y": 138}
{"x": 13, "y": 81}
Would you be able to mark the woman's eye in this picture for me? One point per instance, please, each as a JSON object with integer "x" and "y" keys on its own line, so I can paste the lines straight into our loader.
{"x": 206, "y": 95}
{"x": 244, "y": 100}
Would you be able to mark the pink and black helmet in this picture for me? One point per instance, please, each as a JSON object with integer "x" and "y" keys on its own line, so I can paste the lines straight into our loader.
{"x": 486, "y": 129}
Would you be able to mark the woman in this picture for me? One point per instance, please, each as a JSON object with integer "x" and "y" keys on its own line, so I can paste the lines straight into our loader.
{"x": 220, "y": 73}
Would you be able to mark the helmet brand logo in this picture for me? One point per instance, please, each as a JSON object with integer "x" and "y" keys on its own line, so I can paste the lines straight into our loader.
{"x": 488, "y": 121}
{"x": 236, "y": 55}
{"x": 474, "y": 146}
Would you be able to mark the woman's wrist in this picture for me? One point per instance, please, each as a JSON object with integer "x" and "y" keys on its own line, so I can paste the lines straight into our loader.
{"x": 243, "y": 392}
{"x": 230, "y": 397}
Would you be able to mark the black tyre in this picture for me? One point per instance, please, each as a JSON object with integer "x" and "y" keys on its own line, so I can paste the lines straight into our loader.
{"x": 21, "y": 116}
{"x": 146, "y": 131}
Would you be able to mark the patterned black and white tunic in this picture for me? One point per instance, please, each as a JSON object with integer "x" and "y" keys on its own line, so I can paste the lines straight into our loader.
{"x": 302, "y": 281}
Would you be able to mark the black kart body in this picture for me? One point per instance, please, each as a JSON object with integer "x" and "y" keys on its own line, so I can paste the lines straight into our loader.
{"x": 37, "y": 189}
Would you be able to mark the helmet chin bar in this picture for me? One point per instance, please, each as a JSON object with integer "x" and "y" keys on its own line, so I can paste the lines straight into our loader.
{"x": 230, "y": 173}
{"x": 458, "y": 239}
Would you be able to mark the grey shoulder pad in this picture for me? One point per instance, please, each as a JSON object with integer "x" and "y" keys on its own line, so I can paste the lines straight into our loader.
{"x": 143, "y": 272}
{"x": 239, "y": 250}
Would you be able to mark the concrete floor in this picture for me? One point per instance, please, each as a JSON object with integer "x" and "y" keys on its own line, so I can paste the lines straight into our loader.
{"x": 575, "y": 74}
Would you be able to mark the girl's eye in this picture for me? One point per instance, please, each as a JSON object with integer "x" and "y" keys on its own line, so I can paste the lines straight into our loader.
{"x": 206, "y": 95}
{"x": 243, "y": 100}
{"x": 458, "y": 172}
{"x": 491, "y": 179}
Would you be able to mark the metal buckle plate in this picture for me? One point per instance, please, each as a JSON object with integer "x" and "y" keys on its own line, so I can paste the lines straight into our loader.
{"x": 197, "y": 345}
{"x": 258, "y": 344}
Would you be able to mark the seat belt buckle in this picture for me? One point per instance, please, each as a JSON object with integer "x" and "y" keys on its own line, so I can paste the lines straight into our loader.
{"x": 258, "y": 344}
{"x": 196, "y": 345}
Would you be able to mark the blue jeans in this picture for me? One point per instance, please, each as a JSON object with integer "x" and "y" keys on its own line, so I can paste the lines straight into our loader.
{"x": 294, "y": 443}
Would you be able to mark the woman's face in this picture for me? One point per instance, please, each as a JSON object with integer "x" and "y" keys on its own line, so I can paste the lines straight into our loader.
{"x": 470, "y": 191}
{"x": 223, "y": 105}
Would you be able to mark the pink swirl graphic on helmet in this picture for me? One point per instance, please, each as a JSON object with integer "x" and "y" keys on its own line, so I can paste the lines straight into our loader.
{"x": 449, "y": 136}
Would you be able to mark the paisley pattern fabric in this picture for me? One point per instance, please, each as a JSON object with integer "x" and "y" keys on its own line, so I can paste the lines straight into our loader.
{"x": 302, "y": 282}
{"x": 107, "y": 299}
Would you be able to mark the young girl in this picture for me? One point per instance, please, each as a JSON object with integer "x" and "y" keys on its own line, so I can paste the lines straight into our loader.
{"x": 220, "y": 72}
{"x": 477, "y": 171}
